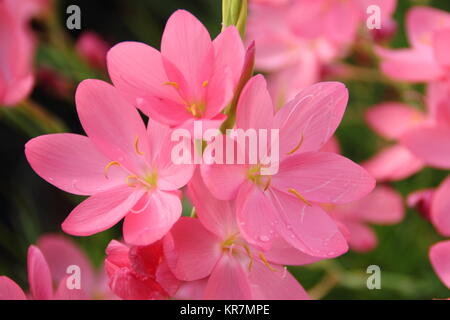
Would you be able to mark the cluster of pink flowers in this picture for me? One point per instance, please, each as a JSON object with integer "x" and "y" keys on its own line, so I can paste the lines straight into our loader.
{"x": 247, "y": 226}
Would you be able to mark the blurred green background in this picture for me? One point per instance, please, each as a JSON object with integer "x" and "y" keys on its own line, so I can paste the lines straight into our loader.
{"x": 30, "y": 207}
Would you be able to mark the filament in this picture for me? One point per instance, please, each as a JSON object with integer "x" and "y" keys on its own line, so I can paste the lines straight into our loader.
{"x": 298, "y": 145}
{"x": 298, "y": 195}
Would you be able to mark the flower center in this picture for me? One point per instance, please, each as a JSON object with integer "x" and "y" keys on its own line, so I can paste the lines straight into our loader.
{"x": 254, "y": 175}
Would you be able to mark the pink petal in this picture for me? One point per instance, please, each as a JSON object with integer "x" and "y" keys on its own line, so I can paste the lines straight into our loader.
{"x": 113, "y": 125}
{"x": 440, "y": 260}
{"x": 311, "y": 117}
{"x": 9, "y": 290}
{"x": 429, "y": 144}
{"x": 60, "y": 253}
{"x": 65, "y": 293}
{"x": 273, "y": 285}
{"x": 228, "y": 281}
{"x": 160, "y": 210}
{"x": 229, "y": 52}
{"x": 440, "y": 208}
{"x": 215, "y": 215}
{"x": 72, "y": 163}
{"x": 184, "y": 33}
{"x": 171, "y": 176}
{"x": 392, "y": 119}
{"x": 362, "y": 238}
{"x": 307, "y": 228}
{"x": 101, "y": 211}
{"x": 137, "y": 71}
{"x": 281, "y": 252}
{"x": 219, "y": 92}
{"x": 421, "y": 200}
{"x": 422, "y": 21}
{"x": 256, "y": 216}
{"x": 409, "y": 65}
{"x": 384, "y": 205}
{"x": 392, "y": 164}
{"x": 192, "y": 290}
{"x": 441, "y": 41}
{"x": 39, "y": 276}
{"x": 255, "y": 109}
{"x": 323, "y": 177}
{"x": 191, "y": 250}
{"x": 331, "y": 146}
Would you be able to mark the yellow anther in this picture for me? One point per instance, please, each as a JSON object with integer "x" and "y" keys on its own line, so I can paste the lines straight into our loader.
{"x": 229, "y": 241}
{"x": 205, "y": 83}
{"x": 172, "y": 83}
{"x": 266, "y": 263}
{"x": 112, "y": 163}
{"x": 297, "y": 146}
{"x": 249, "y": 253}
{"x": 136, "y": 146}
{"x": 298, "y": 195}
{"x": 128, "y": 178}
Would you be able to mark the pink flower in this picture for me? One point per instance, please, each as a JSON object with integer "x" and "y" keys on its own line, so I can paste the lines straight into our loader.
{"x": 17, "y": 50}
{"x": 383, "y": 206}
{"x": 192, "y": 78}
{"x": 60, "y": 253}
{"x": 421, "y": 200}
{"x": 440, "y": 260}
{"x": 391, "y": 120}
{"x": 40, "y": 280}
{"x": 427, "y": 59}
{"x": 283, "y": 204}
{"x": 139, "y": 273}
{"x": 93, "y": 49}
{"x": 124, "y": 167}
{"x": 212, "y": 247}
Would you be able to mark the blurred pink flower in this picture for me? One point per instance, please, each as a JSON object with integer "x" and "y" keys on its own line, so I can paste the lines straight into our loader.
{"x": 391, "y": 120}
{"x": 282, "y": 203}
{"x": 124, "y": 167}
{"x": 93, "y": 49}
{"x": 440, "y": 260}
{"x": 421, "y": 200}
{"x": 212, "y": 247}
{"x": 40, "y": 281}
{"x": 17, "y": 46}
{"x": 383, "y": 206}
{"x": 139, "y": 273}
{"x": 60, "y": 253}
{"x": 427, "y": 59}
{"x": 193, "y": 78}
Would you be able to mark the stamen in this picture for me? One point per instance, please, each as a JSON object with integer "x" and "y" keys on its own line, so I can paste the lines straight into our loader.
{"x": 172, "y": 83}
{"x": 128, "y": 178}
{"x": 298, "y": 145}
{"x": 112, "y": 163}
{"x": 205, "y": 83}
{"x": 136, "y": 146}
{"x": 266, "y": 263}
{"x": 249, "y": 253}
{"x": 298, "y": 195}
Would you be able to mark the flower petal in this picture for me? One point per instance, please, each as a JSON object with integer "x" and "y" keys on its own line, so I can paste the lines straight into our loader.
{"x": 72, "y": 163}
{"x": 440, "y": 260}
{"x": 440, "y": 208}
{"x": 191, "y": 250}
{"x": 323, "y": 177}
{"x": 112, "y": 124}
{"x": 311, "y": 117}
{"x": 362, "y": 238}
{"x": 160, "y": 210}
{"x": 273, "y": 285}
{"x": 228, "y": 281}
{"x": 392, "y": 119}
{"x": 101, "y": 211}
{"x": 307, "y": 227}
{"x": 441, "y": 41}
{"x": 431, "y": 144}
{"x": 9, "y": 290}
{"x": 392, "y": 164}
{"x": 215, "y": 215}
{"x": 39, "y": 276}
